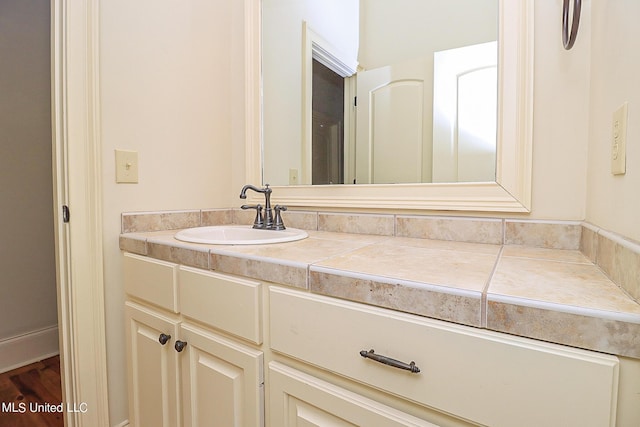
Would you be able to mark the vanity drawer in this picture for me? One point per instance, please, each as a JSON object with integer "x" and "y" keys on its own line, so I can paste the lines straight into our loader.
{"x": 151, "y": 280}
{"x": 481, "y": 376}
{"x": 228, "y": 303}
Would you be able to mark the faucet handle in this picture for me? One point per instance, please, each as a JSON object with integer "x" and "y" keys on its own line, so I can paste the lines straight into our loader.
{"x": 258, "y": 222}
{"x": 278, "y": 224}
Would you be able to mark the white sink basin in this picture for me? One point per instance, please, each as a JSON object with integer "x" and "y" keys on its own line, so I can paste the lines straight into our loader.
{"x": 238, "y": 235}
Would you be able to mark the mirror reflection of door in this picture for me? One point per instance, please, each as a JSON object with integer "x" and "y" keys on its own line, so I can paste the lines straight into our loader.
{"x": 328, "y": 126}
{"x": 393, "y": 112}
{"x": 465, "y": 114}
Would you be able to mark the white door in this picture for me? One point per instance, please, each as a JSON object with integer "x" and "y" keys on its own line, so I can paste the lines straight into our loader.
{"x": 393, "y": 123}
{"x": 465, "y": 102}
{"x": 222, "y": 381}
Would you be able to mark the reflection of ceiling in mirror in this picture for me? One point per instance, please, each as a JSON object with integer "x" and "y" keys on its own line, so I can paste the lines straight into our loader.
{"x": 400, "y": 30}
{"x": 413, "y": 21}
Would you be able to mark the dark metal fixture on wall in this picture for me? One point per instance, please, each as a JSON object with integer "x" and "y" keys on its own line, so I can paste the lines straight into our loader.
{"x": 569, "y": 37}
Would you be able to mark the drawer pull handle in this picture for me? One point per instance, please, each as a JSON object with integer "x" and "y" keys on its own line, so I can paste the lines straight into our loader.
{"x": 180, "y": 345}
{"x": 164, "y": 338}
{"x": 411, "y": 367}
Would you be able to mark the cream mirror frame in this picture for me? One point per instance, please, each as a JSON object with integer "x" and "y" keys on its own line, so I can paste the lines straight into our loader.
{"x": 511, "y": 192}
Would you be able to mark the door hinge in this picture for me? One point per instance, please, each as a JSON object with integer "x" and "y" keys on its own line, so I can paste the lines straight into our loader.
{"x": 65, "y": 213}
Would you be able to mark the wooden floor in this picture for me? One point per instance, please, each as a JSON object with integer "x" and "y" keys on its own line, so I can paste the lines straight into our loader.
{"x": 25, "y": 393}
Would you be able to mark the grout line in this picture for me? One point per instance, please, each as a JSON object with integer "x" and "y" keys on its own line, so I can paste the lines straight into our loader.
{"x": 485, "y": 290}
{"x": 395, "y": 225}
{"x": 596, "y": 255}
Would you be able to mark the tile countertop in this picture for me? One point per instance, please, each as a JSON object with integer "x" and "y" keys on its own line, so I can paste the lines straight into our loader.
{"x": 546, "y": 294}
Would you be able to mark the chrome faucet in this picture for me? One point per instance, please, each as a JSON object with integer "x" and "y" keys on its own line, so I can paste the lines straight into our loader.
{"x": 265, "y": 222}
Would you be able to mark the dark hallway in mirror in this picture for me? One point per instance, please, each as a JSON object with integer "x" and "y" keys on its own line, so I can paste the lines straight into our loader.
{"x": 328, "y": 126}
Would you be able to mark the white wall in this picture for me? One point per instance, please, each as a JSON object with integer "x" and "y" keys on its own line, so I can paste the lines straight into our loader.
{"x": 401, "y": 30}
{"x": 171, "y": 88}
{"x": 337, "y": 22}
{"x": 27, "y": 262}
{"x": 613, "y": 201}
{"x": 576, "y": 93}
{"x": 561, "y": 116}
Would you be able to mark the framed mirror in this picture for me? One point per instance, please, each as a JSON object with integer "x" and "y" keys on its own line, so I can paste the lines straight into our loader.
{"x": 506, "y": 187}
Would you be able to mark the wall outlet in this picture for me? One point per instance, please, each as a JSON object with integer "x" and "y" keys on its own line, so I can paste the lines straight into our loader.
{"x": 619, "y": 141}
{"x": 126, "y": 166}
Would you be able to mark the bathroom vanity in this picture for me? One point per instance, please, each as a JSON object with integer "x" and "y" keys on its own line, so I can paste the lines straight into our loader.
{"x": 298, "y": 334}
{"x": 178, "y": 357}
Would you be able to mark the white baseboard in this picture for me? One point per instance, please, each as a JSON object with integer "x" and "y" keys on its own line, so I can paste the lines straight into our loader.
{"x": 28, "y": 348}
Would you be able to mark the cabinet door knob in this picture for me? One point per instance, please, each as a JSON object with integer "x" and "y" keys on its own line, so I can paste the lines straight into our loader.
{"x": 164, "y": 338}
{"x": 180, "y": 345}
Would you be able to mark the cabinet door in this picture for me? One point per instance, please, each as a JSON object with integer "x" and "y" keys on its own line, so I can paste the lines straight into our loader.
{"x": 301, "y": 400}
{"x": 152, "y": 368}
{"x": 222, "y": 381}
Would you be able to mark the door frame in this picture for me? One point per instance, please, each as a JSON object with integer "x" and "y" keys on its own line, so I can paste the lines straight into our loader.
{"x": 77, "y": 183}
{"x": 315, "y": 47}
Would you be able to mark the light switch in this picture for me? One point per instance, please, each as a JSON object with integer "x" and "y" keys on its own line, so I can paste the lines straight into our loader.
{"x": 293, "y": 177}
{"x": 126, "y": 166}
{"x": 619, "y": 141}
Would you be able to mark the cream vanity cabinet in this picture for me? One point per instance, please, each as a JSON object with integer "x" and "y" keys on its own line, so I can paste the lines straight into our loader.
{"x": 475, "y": 376}
{"x": 193, "y": 346}
{"x": 197, "y": 354}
